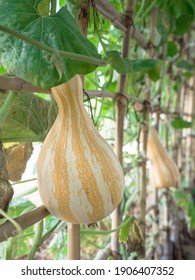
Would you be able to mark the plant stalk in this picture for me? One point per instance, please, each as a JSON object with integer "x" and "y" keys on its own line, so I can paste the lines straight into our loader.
{"x": 6, "y": 107}
{"x": 53, "y": 6}
{"x": 36, "y": 240}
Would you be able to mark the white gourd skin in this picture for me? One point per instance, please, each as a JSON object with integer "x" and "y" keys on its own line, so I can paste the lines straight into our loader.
{"x": 164, "y": 172}
{"x": 80, "y": 180}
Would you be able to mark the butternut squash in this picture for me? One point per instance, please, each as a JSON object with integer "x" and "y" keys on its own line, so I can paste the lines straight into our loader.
{"x": 79, "y": 177}
{"x": 163, "y": 172}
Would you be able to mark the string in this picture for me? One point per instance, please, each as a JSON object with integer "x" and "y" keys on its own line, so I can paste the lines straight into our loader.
{"x": 90, "y": 107}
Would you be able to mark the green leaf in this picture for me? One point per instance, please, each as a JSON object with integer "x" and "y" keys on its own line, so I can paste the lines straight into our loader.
{"x": 179, "y": 123}
{"x": 3, "y": 247}
{"x": 187, "y": 74}
{"x": 62, "y": 3}
{"x": 58, "y": 31}
{"x": 20, "y": 245}
{"x": 30, "y": 116}
{"x": 177, "y": 8}
{"x": 154, "y": 73}
{"x": 185, "y": 65}
{"x": 125, "y": 230}
{"x": 43, "y": 7}
{"x": 162, "y": 29}
{"x": 191, "y": 213}
{"x": 125, "y": 65}
{"x": 185, "y": 201}
{"x": 183, "y": 198}
{"x": 183, "y": 24}
{"x": 2, "y": 70}
{"x": 58, "y": 246}
{"x": 172, "y": 49}
{"x": 18, "y": 206}
{"x": 144, "y": 64}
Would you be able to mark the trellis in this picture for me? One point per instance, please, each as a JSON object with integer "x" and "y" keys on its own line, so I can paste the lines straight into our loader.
{"x": 126, "y": 25}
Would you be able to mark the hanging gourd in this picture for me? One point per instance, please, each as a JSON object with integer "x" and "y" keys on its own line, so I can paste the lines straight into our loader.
{"x": 80, "y": 180}
{"x": 164, "y": 172}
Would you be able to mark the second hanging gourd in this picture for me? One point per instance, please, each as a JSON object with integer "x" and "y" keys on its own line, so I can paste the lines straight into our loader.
{"x": 164, "y": 172}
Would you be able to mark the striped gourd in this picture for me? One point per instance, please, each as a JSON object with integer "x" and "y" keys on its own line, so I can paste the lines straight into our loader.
{"x": 80, "y": 179}
{"x": 164, "y": 172}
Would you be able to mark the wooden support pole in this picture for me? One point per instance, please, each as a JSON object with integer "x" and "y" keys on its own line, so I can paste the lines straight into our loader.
{"x": 121, "y": 104}
{"x": 110, "y": 13}
{"x": 188, "y": 108}
{"x": 146, "y": 114}
{"x": 73, "y": 242}
{"x": 192, "y": 148}
{"x": 12, "y": 83}
{"x": 167, "y": 248}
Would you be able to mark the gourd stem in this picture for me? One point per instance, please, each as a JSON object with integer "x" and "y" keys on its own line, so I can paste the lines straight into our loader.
{"x": 5, "y": 108}
{"x": 53, "y": 7}
{"x": 73, "y": 242}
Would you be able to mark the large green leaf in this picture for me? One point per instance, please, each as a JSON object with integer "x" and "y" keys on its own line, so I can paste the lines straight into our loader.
{"x": 58, "y": 31}
{"x": 177, "y": 8}
{"x": 29, "y": 119}
{"x": 19, "y": 206}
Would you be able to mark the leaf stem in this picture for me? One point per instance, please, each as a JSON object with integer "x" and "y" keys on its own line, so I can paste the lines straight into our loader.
{"x": 104, "y": 232}
{"x": 24, "y": 181}
{"x": 37, "y": 240}
{"x": 141, "y": 9}
{"x": 9, "y": 249}
{"x": 32, "y": 138}
{"x": 25, "y": 193}
{"x": 52, "y": 51}
{"x": 101, "y": 41}
{"x": 146, "y": 12}
{"x": 5, "y": 108}
{"x": 12, "y": 221}
{"x": 50, "y": 231}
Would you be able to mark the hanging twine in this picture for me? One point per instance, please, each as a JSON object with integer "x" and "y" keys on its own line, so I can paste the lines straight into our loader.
{"x": 90, "y": 107}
